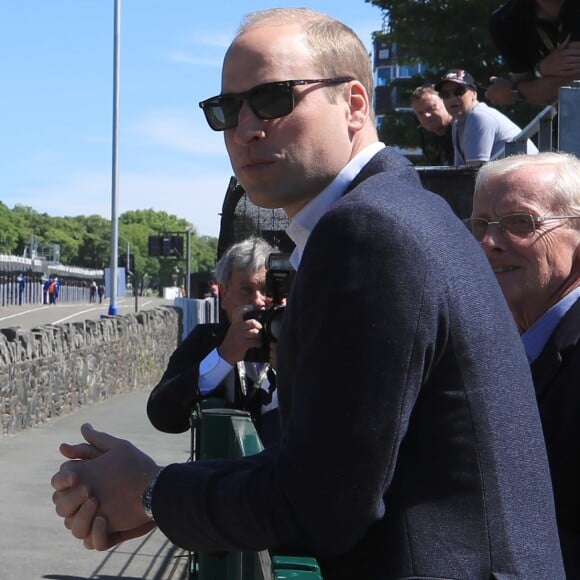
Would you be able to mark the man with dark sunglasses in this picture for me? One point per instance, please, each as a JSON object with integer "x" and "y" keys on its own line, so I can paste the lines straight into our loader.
{"x": 526, "y": 216}
{"x": 405, "y": 397}
{"x": 479, "y": 132}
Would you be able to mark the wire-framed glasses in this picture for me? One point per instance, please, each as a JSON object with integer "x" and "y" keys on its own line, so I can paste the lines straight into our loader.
{"x": 518, "y": 225}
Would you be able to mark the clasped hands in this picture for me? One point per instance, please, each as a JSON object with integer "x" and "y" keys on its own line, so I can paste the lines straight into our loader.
{"x": 99, "y": 489}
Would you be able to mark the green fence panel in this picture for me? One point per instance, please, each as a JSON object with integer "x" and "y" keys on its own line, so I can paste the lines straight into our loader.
{"x": 229, "y": 433}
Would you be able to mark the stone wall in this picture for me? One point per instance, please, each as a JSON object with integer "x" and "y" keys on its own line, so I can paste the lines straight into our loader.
{"x": 52, "y": 370}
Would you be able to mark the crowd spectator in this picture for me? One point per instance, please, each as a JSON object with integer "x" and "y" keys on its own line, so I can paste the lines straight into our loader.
{"x": 210, "y": 361}
{"x": 411, "y": 440}
{"x": 479, "y": 131}
{"x": 93, "y": 292}
{"x": 45, "y": 285}
{"x": 434, "y": 118}
{"x": 526, "y": 216}
{"x": 53, "y": 290}
{"x": 539, "y": 40}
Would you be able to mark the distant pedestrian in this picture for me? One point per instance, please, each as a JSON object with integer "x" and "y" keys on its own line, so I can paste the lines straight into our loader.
{"x": 21, "y": 284}
{"x": 93, "y": 292}
{"x": 101, "y": 292}
{"x": 45, "y": 287}
{"x": 53, "y": 290}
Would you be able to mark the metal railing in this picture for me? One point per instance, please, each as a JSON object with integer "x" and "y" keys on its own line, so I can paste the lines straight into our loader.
{"x": 218, "y": 433}
{"x": 566, "y": 111}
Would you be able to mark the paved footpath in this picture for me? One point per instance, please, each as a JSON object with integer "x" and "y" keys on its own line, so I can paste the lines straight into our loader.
{"x": 34, "y": 544}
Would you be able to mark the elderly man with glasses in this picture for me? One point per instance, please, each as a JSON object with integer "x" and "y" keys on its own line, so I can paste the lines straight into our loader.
{"x": 479, "y": 132}
{"x": 526, "y": 216}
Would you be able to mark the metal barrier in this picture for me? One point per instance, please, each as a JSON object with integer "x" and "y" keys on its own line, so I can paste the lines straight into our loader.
{"x": 28, "y": 288}
{"x": 229, "y": 433}
{"x": 567, "y": 113}
{"x": 196, "y": 311}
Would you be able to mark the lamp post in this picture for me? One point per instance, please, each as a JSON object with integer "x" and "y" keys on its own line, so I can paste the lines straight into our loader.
{"x": 188, "y": 265}
{"x": 113, "y": 309}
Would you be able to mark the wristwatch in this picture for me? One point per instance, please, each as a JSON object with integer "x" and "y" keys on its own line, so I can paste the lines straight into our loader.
{"x": 147, "y": 497}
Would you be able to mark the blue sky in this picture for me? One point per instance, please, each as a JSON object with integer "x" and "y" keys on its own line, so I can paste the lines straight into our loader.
{"x": 57, "y": 98}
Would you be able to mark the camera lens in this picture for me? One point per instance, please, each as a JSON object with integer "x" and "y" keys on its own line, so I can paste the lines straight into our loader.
{"x": 275, "y": 326}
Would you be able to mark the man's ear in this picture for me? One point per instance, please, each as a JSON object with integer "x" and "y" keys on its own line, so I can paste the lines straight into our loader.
{"x": 360, "y": 105}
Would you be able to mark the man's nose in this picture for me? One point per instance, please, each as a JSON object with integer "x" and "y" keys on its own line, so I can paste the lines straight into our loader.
{"x": 249, "y": 126}
{"x": 259, "y": 300}
{"x": 493, "y": 238}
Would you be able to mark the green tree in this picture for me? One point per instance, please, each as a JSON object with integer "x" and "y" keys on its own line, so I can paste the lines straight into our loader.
{"x": 137, "y": 225}
{"x": 86, "y": 241}
{"x": 95, "y": 249}
{"x": 11, "y": 226}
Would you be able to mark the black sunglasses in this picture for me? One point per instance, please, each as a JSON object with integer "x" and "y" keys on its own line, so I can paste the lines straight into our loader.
{"x": 267, "y": 101}
{"x": 456, "y": 92}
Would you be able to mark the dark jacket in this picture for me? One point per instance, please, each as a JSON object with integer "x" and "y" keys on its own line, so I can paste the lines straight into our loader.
{"x": 171, "y": 402}
{"x": 172, "y": 399}
{"x": 514, "y": 31}
{"x": 556, "y": 374}
{"x": 412, "y": 444}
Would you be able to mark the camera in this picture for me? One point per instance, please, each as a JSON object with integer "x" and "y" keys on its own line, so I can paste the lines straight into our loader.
{"x": 279, "y": 278}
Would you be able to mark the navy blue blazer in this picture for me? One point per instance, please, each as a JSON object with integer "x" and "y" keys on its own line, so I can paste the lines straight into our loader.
{"x": 412, "y": 444}
{"x": 556, "y": 374}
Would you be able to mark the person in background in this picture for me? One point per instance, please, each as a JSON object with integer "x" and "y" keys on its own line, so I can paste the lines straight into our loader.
{"x": 434, "y": 118}
{"x": 479, "y": 131}
{"x": 101, "y": 292}
{"x": 540, "y": 42}
{"x": 93, "y": 292}
{"x": 411, "y": 442}
{"x": 526, "y": 216}
{"x": 45, "y": 286}
{"x": 21, "y": 279}
{"x": 210, "y": 361}
{"x": 53, "y": 290}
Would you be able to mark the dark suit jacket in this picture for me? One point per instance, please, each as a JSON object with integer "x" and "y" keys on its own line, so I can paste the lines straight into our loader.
{"x": 172, "y": 399}
{"x": 556, "y": 374}
{"x": 412, "y": 444}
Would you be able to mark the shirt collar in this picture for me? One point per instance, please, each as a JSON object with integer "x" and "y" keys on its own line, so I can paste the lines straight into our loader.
{"x": 302, "y": 224}
{"x": 536, "y": 337}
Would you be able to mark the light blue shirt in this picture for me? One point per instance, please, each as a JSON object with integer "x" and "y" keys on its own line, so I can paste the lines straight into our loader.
{"x": 536, "y": 337}
{"x": 302, "y": 224}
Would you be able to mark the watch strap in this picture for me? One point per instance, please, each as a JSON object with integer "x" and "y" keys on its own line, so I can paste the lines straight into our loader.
{"x": 147, "y": 497}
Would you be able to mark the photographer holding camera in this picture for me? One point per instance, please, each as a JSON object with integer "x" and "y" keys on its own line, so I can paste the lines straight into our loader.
{"x": 225, "y": 360}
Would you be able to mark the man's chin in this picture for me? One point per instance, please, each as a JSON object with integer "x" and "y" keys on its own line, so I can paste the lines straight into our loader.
{"x": 260, "y": 196}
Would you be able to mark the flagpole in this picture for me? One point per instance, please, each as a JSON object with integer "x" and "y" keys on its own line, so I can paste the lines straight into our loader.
{"x": 113, "y": 309}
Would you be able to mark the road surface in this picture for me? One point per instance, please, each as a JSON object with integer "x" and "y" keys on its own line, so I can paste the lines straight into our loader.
{"x": 31, "y": 316}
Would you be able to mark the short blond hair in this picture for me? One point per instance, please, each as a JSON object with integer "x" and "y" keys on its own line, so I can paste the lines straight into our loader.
{"x": 336, "y": 48}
